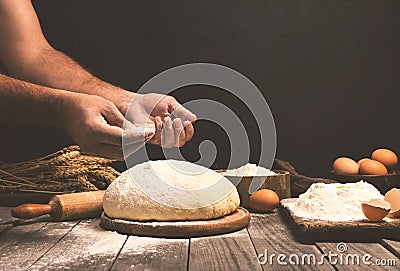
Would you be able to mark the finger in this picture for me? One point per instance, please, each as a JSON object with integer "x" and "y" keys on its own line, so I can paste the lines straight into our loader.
{"x": 113, "y": 116}
{"x": 138, "y": 134}
{"x": 168, "y": 135}
{"x": 108, "y": 134}
{"x": 178, "y": 111}
{"x": 157, "y": 137}
{"x": 189, "y": 130}
{"x": 179, "y": 131}
{"x": 159, "y": 123}
{"x": 150, "y": 125}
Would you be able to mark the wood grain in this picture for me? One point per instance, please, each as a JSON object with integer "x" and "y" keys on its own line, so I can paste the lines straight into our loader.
{"x": 146, "y": 253}
{"x": 271, "y": 234}
{"x": 24, "y": 244}
{"x": 85, "y": 247}
{"x": 375, "y": 250}
{"x": 41, "y": 245}
{"x": 6, "y": 220}
{"x": 77, "y": 205}
{"x": 232, "y": 251}
{"x": 392, "y": 245}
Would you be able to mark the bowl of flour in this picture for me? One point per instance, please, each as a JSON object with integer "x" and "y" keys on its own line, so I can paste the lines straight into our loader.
{"x": 250, "y": 177}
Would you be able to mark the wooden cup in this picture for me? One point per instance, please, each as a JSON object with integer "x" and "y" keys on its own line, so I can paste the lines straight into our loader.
{"x": 280, "y": 184}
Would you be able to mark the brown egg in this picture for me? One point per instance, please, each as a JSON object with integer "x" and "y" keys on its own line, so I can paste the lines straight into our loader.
{"x": 386, "y": 157}
{"x": 345, "y": 165}
{"x": 393, "y": 197}
{"x": 362, "y": 160}
{"x": 263, "y": 200}
{"x": 372, "y": 167}
{"x": 375, "y": 209}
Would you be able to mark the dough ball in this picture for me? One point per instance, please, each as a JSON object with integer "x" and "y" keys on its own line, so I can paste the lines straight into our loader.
{"x": 170, "y": 190}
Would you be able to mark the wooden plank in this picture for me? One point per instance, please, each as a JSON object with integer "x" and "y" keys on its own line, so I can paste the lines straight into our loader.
{"x": 85, "y": 247}
{"x": 350, "y": 256}
{"x": 146, "y": 253}
{"x": 22, "y": 245}
{"x": 393, "y": 246}
{"x": 5, "y": 213}
{"x": 6, "y": 220}
{"x": 19, "y": 229}
{"x": 271, "y": 234}
{"x": 232, "y": 251}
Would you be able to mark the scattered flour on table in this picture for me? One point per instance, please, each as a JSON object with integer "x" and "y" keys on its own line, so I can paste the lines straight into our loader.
{"x": 250, "y": 170}
{"x": 334, "y": 202}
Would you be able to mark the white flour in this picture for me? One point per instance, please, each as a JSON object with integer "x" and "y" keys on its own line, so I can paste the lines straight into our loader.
{"x": 334, "y": 202}
{"x": 250, "y": 170}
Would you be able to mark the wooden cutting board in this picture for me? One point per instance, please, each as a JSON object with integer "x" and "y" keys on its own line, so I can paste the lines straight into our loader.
{"x": 179, "y": 229}
{"x": 341, "y": 231}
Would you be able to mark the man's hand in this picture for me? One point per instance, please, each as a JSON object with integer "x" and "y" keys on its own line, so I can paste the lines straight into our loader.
{"x": 93, "y": 122}
{"x": 173, "y": 123}
{"x": 96, "y": 125}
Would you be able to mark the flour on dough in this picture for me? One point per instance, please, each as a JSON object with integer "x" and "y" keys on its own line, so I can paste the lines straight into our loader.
{"x": 170, "y": 190}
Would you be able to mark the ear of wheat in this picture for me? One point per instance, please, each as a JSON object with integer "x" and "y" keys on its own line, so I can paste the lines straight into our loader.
{"x": 65, "y": 171}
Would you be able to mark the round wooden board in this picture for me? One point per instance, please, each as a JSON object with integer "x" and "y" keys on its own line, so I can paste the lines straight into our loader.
{"x": 179, "y": 229}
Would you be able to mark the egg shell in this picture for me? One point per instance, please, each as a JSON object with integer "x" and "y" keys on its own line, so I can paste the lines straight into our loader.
{"x": 362, "y": 160}
{"x": 345, "y": 165}
{"x": 386, "y": 157}
{"x": 372, "y": 167}
{"x": 375, "y": 209}
{"x": 393, "y": 197}
{"x": 264, "y": 200}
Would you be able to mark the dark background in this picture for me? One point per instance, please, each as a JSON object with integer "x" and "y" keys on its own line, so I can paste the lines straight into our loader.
{"x": 328, "y": 69}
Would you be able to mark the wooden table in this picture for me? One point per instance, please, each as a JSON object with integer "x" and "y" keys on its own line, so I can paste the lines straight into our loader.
{"x": 82, "y": 245}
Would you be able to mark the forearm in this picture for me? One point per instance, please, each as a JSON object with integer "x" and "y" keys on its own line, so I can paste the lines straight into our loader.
{"x": 29, "y": 103}
{"x": 56, "y": 70}
{"x": 28, "y": 56}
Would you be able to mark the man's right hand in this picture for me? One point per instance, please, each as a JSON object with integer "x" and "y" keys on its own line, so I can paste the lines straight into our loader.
{"x": 96, "y": 125}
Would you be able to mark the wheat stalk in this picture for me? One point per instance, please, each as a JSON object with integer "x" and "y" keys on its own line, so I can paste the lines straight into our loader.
{"x": 67, "y": 170}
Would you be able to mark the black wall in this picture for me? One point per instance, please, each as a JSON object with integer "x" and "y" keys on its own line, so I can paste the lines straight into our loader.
{"x": 328, "y": 69}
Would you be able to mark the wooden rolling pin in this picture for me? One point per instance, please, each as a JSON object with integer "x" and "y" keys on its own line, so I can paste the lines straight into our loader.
{"x": 64, "y": 207}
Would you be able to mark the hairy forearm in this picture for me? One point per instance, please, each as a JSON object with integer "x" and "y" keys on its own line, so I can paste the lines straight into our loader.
{"x": 56, "y": 70}
{"x": 28, "y": 56}
{"x": 29, "y": 103}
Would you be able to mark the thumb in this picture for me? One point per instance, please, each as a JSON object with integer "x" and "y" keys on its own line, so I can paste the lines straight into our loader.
{"x": 137, "y": 133}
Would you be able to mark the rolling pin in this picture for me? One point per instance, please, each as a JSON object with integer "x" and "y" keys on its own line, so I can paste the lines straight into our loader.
{"x": 64, "y": 207}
